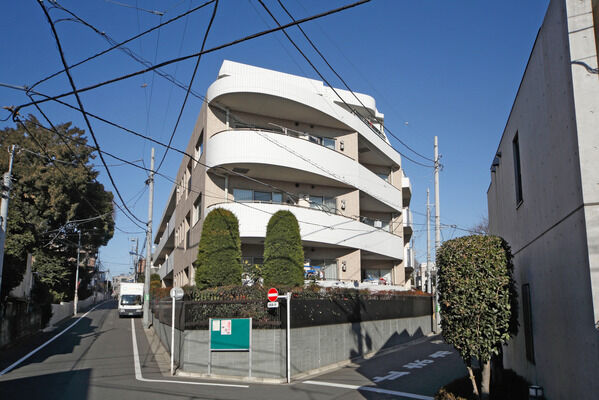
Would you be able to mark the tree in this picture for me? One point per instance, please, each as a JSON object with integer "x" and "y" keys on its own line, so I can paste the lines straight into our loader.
{"x": 482, "y": 226}
{"x": 283, "y": 252}
{"x": 53, "y": 182}
{"x": 219, "y": 253}
{"x": 478, "y": 299}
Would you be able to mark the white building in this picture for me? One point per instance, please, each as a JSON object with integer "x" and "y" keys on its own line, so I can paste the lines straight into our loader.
{"x": 544, "y": 200}
{"x": 269, "y": 141}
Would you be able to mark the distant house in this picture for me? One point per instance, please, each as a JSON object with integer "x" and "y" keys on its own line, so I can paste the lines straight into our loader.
{"x": 544, "y": 200}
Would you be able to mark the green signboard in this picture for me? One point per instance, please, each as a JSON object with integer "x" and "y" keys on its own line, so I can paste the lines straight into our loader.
{"x": 230, "y": 334}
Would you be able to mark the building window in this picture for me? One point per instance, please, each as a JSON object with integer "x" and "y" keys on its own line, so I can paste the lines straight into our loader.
{"x": 199, "y": 149}
{"x": 187, "y": 232}
{"x": 197, "y": 210}
{"x": 377, "y": 276}
{"x": 247, "y": 195}
{"x": 383, "y": 176}
{"x": 329, "y": 143}
{"x": 188, "y": 179}
{"x": 320, "y": 269}
{"x": 595, "y": 5}
{"x": 517, "y": 170}
{"x": 328, "y": 204}
{"x": 263, "y": 197}
{"x": 527, "y": 317}
{"x": 242, "y": 195}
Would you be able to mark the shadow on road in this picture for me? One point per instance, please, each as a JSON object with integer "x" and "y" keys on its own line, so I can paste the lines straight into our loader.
{"x": 60, "y": 385}
{"x": 65, "y": 344}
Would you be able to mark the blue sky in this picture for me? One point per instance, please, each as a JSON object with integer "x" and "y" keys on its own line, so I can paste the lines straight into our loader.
{"x": 448, "y": 68}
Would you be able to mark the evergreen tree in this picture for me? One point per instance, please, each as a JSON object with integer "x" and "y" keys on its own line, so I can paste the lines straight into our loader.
{"x": 46, "y": 193}
{"x": 283, "y": 252}
{"x": 477, "y": 298}
{"x": 219, "y": 253}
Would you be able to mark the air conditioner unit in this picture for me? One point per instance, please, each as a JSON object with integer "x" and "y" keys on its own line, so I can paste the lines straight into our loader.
{"x": 378, "y": 223}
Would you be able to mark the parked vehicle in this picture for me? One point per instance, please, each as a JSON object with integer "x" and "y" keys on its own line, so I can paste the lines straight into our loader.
{"x": 131, "y": 299}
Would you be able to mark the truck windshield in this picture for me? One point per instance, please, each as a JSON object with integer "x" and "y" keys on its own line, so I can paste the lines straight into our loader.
{"x": 130, "y": 299}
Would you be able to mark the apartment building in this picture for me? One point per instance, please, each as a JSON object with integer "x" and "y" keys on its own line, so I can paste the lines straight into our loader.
{"x": 544, "y": 200}
{"x": 266, "y": 141}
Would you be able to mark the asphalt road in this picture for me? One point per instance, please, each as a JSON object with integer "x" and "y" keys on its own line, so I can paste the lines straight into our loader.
{"x": 97, "y": 359}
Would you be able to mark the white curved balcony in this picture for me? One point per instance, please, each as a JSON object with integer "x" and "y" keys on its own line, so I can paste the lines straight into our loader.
{"x": 245, "y": 146}
{"x": 317, "y": 227}
{"x": 257, "y": 90}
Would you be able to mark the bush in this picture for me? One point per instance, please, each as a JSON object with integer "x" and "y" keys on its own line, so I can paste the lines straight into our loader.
{"x": 512, "y": 387}
{"x": 219, "y": 254}
{"x": 312, "y": 305}
{"x": 283, "y": 252}
{"x": 477, "y": 298}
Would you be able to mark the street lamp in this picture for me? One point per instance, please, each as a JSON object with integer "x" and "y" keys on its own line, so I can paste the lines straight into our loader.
{"x": 76, "y": 297}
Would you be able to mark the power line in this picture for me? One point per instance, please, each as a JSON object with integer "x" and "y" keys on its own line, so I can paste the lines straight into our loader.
{"x": 290, "y": 194}
{"x": 75, "y": 92}
{"x": 356, "y": 113}
{"x": 155, "y": 12}
{"x": 183, "y": 58}
{"x": 346, "y": 85}
{"x": 195, "y": 70}
{"x": 219, "y": 196}
{"x": 54, "y": 130}
{"x": 121, "y": 43}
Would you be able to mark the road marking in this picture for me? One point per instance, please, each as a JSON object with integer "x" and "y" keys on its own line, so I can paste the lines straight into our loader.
{"x": 32, "y": 352}
{"x": 140, "y": 377}
{"x": 370, "y": 389}
{"x": 440, "y": 354}
{"x": 392, "y": 375}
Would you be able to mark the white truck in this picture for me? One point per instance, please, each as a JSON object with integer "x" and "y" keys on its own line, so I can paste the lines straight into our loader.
{"x": 131, "y": 299}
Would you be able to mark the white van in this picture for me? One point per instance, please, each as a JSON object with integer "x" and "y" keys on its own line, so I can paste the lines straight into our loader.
{"x": 131, "y": 299}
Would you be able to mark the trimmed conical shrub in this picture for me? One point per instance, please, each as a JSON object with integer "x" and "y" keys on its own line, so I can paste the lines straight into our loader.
{"x": 219, "y": 254}
{"x": 283, "y": 252}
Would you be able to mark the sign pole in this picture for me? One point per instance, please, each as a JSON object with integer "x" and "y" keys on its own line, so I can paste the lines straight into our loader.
{"x": 176, "y": 294}
{"x": 288, "y": 297}
{"x": 250, "y": 351}
{"x": 173, "y": 339}
{"x": 209, "y": 344}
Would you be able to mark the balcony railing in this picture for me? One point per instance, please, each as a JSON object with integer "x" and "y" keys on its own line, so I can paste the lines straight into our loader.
{"x": 168, "y": 231}
{"x": 377, "y": 223}
{"x": 329, "y": 143}
{"x": 166, "y": 267}
{"x": 407, "y": 218}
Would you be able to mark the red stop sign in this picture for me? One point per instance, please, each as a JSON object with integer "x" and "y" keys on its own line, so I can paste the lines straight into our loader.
{"x": 273, "y": 294}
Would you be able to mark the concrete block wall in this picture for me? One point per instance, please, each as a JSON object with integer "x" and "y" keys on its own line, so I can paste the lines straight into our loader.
{"x": 311, "y": 348}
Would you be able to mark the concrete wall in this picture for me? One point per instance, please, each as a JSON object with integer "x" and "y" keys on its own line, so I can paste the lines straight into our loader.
{"x": 18, "y": 320}
{"x": 312, "y": 348}
{"x": 65, "y": 309}
{"x": 554, "y": 231}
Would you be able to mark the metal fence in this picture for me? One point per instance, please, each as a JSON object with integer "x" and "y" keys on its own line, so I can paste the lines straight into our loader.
{"x": 193, "y": 315}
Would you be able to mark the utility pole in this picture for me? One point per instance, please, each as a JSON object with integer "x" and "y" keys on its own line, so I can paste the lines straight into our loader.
{"x": 148, "y": 262}
{"x": 136, "y": 258}
{"x": 428, "y": 242}
{"x": 6, "y": 186}
{"x": 76, "y": 298}
{"x": 437, "y": 205}
{"x": 437, "y": 230}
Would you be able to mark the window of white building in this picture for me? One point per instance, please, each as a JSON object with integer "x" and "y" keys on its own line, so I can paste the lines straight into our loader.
{"x": 199, "y": 149}
{"x": 197, "y": 210}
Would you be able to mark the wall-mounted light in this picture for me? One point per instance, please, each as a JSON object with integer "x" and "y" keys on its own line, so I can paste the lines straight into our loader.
{"x": 535, "y": 392}
{"x": 343, "y": 266}
{"x": 343, "y": 204}
{"x": 341, "y": 145}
